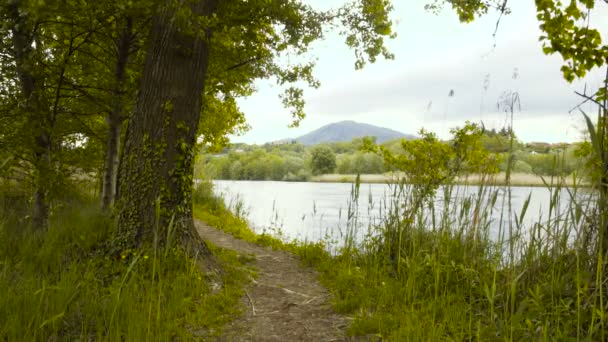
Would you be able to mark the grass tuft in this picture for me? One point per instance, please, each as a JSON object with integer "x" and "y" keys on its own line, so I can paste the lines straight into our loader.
{"x": 59, "y": 285}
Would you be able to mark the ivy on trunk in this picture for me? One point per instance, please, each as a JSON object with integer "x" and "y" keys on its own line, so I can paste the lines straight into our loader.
{"x": 156, "y": 166}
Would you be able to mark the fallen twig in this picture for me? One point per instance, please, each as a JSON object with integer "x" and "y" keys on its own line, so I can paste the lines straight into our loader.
{"x": 250, "y": 302}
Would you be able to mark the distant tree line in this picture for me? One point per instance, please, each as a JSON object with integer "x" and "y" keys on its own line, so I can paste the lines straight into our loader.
{"x": 296, "y": 162}
{"x": 289, "y": 162}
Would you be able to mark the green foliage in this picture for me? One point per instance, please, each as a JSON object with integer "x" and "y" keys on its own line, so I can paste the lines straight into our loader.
{"x": 428, "y": 162}
{"x": 595, "y": 151}
{"x": 360, "y": 163}
{"x": 566, "y": 31}
{"x": 255, "y": 164}
{"x": 596, "y": 154}
{"x": 553, "y": 161}
{"x": 521, "y": 166}
{"x": 220, "y": 118}
{"x": 346, "y": 147}
{"x": 468, "y": 9}
{"x": 62, "y": 72}
{"x": 500, "y": 142}
{"x": 72, "y": 72}
{"x": 59, "y": 285}
{"x": 322, "y": 160}
{"x": 441, "y": 267}
{"x": 291, "y": 162}
{"x": 285, "y": 162}
{"x": 246, "y": 50}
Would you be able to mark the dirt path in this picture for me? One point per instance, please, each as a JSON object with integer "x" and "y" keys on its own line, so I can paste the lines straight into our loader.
{"x": 284, "y": 303}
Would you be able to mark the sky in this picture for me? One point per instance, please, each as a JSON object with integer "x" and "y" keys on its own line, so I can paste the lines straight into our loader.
{"x": 435, "y": 55}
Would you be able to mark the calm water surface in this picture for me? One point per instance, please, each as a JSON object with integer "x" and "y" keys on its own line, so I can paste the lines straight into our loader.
{"x": 314, "y": 211}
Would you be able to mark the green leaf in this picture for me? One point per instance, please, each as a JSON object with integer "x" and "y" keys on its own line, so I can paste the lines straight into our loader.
{"x": 592, "y": 134}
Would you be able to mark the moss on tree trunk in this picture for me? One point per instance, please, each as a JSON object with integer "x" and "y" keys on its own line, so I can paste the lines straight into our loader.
{"x": 156, "y": 166}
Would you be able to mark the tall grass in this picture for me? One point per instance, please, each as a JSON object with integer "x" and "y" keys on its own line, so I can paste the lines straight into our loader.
{"x": 434, "y": 271}
{"x": 61, "y": 285}
{"x": 448, "y": 270}
{"x": 231, "y": 218}
{"x": 445, "y": 270}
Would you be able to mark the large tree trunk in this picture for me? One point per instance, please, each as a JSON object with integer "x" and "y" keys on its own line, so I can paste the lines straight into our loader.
{"x": 156, "y": 166}
{"x": 115, "y": 119}
{"x": 38, "y": 121}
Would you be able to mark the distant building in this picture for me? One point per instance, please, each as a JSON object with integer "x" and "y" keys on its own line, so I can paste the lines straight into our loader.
{"x": 543, "y": 147}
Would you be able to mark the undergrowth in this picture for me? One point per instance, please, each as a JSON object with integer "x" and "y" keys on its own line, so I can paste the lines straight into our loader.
{"x": 441, "y": 273}
{"x": 59, "y": 285}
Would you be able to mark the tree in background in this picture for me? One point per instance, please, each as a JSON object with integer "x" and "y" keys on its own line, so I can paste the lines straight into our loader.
{"x": 78, "y": 61}
{"x": 322, "y": 160}
{"x": 428, "y": 162}
{"x": 360, "y": 163}
{"x": 45, "y": 77}
{"x": 499, "y": 142}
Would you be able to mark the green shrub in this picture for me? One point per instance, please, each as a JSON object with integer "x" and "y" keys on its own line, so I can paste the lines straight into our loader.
{"x": 322, "y": 160}
{"x": 522, "y": 167}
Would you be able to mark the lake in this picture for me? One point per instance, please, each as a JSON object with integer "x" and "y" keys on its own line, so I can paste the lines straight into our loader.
{"x": 314, "y": 211}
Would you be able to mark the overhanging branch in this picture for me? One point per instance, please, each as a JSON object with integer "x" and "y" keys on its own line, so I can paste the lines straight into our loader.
{"x": 243, "y": 63}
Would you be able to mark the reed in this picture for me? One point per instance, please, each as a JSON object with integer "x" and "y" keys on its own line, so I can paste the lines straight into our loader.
{"x": 446, "y": 270}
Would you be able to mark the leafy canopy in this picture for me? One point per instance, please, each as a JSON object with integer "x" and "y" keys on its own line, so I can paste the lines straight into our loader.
{"x": 323, "y": 160}
{"x": 270, "y": 39}
{"x": 429, "y": 162}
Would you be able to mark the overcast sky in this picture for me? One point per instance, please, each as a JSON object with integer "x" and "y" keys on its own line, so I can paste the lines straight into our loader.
{"x": 434, "y": 55}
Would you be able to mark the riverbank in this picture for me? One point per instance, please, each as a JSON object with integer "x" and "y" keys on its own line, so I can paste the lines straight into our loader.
{"x": 517, "y": 179}
{"x": 445, "y": 273}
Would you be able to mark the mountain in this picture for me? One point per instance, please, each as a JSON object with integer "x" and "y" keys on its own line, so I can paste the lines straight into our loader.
{"x": 347, "y": 131}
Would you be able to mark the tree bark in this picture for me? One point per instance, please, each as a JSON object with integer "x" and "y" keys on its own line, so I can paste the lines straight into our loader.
{"x": 38, "y": 121}
{"x": 156, "y": 166}
{"x": 115, "y": 119}
{"x": 42, "y": 165}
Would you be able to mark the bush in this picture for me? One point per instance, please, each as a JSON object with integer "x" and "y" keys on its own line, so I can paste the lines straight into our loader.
{"x": 323, "y": 160}
{"x": 344, "y": 164}
{"x": 203, "y": 193}
{"x": 360, "y": 163}
{"x": 300, "y": 176}
{"x": 521, "y": 166}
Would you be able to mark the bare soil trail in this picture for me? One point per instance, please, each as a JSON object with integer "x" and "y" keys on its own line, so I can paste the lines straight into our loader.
{"x": 285, "y": 302}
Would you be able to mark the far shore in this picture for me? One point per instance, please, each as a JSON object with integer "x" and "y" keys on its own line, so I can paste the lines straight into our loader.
{"x": 517, "y": 179}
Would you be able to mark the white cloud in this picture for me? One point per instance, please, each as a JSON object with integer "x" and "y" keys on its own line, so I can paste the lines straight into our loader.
{"x": 434, "y": 55}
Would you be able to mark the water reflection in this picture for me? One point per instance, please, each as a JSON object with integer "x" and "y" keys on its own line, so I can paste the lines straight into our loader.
{"x": 315, "y": 211}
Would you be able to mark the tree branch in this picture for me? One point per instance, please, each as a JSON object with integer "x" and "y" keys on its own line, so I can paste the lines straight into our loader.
{"x": 587, "y": 99}
{"x": 245, "y": 62}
